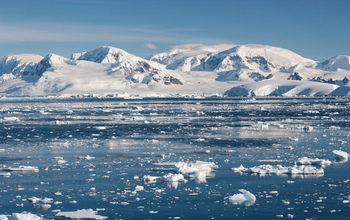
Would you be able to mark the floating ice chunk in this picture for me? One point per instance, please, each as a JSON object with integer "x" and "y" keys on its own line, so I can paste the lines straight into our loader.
{"x": 288, "y": 147}
{"x": 88, "y": 157}
{"x": 20, "y": 216}
{"x": 199, "y": 176}
{"x": 149, "y": 178}
{"x": 61, "y": 161}
{"x": 6, "y": 174}
{"x": 185, "y": 168}
{"x": 174, "y": 177}
{"x": 139, "y": 188}
{"x": 316, "y": 161}
{"x": 279, "y": 170}
{"x": 294, "y": 139}
{"x": 81, "y": 214}
{"x": 46, "y": 200}
{"x": 246, "y": 198}
{"x": 341, "y": 155}
{"x": 34, "y": 199}
{"x": 308, "y": 128}
{"x": 241, "y": 168}
{"x": 42, "y": 206}
{"x": 100, "y": 128}
{"x": 22, "y": 168}
{"x": 11, "y": 119}
{"x": 137, "y": 108}
{"x": 261, "y": 125}
{"x": 286, "y": 202}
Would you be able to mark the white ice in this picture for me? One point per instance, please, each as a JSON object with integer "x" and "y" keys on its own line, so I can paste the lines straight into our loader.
{"x": 81, "y": 214}
{"x": 341, "y": 155}
{"x": 316, "y": 161}
{"x": 20, "y": 216}
{"x": 22, "y": 168}
{"x": 186, "y": 168}
{"x": 149, "y": 178}
{"x": 174, "y": 177}
{"x": 279, "y": 169}
{"x": 246, "y": 198}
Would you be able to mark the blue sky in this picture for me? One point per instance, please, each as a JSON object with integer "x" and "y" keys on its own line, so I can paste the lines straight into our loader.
{"x": 315, "y": 29}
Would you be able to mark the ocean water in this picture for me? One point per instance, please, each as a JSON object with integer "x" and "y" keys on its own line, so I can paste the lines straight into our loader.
{"x": 93, "y": 154}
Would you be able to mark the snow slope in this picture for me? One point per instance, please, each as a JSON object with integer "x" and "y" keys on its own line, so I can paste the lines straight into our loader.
{"x": 282, "y": 88}
{"x": 13, "y": 66}
{"x": 336, "y": 63}
{"x": 188, "y": 57}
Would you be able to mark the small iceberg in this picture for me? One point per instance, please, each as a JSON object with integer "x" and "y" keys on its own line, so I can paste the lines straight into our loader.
{"x": 22, "y": 168}
{"x": 88, "y": 157}
{"x": 341, "y": 155}
{"x": 246, "y": 198}
{"x": 316, "y": 161}
{"x": 5, "y": 174}
{"x": 81, "y": 214}
{"x": 185, "y": 168}
{"x": 150, "y": 179}
{"x": 174, "y": 177}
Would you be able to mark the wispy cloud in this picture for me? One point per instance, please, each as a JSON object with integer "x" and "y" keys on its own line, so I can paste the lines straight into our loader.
{"x": 57, "y": 32}
{"x": 149, "y": 46}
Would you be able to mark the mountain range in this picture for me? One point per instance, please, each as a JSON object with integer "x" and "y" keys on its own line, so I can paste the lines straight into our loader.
{"x": 233, "y": 70}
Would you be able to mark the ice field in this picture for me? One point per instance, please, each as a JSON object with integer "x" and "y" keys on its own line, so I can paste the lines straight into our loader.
{"x": 175, "y": 158}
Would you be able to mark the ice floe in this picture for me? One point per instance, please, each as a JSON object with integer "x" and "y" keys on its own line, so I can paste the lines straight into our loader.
{"x": 245, "y": 198}
{"x": 279, "y": 170}
{"x": 22, "y": 168}
{"x": 341, "y": 155}
{"x": 316, "y": 161}
{"x": 81, "y": 214}
{"x": 20, "y": 216}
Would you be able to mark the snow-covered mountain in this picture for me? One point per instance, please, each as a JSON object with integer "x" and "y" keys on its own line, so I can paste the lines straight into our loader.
{"x": 236, "y": 63}
{"x": 336, "y": 63}
{"x": 139, "y": 69}
{"x": 188, "y": 57}
{"x": 13, "y": 66}
{"x": 49, "y": 63}
{"x": 185, "y": 69}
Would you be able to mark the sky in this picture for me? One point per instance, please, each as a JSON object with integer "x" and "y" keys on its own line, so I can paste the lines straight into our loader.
{"x": 316, "y": 29}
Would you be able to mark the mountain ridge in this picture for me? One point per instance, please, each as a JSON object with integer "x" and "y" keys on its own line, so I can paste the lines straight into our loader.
{"x": 190, "y": 68}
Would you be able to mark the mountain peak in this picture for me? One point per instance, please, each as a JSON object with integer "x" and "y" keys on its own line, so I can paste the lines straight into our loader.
{"x": 335, "y": 63}
{"x": 103, "y": 54}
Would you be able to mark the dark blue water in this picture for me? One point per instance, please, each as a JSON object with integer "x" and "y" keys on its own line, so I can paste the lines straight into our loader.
{"x": 126, "y": 137}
